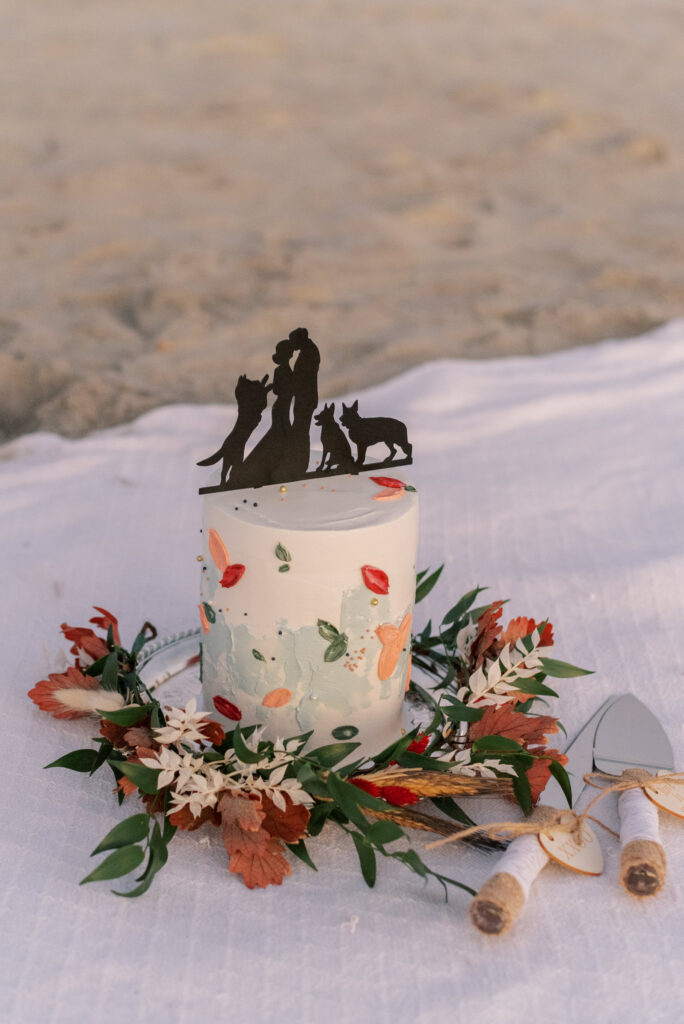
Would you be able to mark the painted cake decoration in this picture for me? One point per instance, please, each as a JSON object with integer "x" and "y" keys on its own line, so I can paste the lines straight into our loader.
{"x": 283, "y": 452}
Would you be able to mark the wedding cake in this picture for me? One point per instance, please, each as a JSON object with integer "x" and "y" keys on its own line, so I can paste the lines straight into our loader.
{"x": 308, "y": 575}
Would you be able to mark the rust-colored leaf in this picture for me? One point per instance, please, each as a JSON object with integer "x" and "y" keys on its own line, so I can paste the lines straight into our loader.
{"x": 218, "y": 551}
{"x": 261, "y": 868}
{"x": 185, "y": 820}
{"x": 289, "y": 825}
{"x": 487, "y": 642}
{"x": 525, "y": 729}
{"x": 538, "y": 775}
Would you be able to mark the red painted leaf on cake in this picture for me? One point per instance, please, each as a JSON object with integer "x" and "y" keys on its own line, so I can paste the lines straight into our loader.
{"x": 393, "y": 640}
{"x": 228, "y": 709}
{"x": 375, "y": 579}
{"x": 277, "y": 698}
{"x": 388, "y": 481}
{"x": 218, "y": 551}
{"x": 232, "y": 575}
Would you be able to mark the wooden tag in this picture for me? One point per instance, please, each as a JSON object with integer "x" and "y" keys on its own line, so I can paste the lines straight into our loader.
{"x": 668, "y": 795}
{"x": 585, "y": 857}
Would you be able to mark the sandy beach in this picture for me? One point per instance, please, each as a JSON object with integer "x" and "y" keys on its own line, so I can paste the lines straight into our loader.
{"x": 182, "y": 184}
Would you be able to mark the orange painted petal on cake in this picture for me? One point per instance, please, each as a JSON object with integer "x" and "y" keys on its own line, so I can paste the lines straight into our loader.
{"x": 206, "y": 625}
{"x": 392, "y": 640}
{"x": 389, "y": 494}
{"x": 218, "y": 551}
{"x": 277, "y": 698}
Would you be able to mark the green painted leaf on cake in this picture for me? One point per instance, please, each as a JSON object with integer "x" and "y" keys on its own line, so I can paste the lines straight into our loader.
{"x": 209, "y": 612}
{"x": 283, "y": 554}
{"x": 284, "y": 568}
{"x": 258, "y": 655}
{"x": 345, "y": 732}
{"x": 327, "y": 630}
{"x": 337, "y": 649}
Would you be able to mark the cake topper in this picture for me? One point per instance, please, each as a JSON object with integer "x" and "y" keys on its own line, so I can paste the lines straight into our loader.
{"x": 283, "y": 453}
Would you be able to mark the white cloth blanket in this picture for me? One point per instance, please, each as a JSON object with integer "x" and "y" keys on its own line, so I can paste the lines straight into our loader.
{"x": 558, "y": 481}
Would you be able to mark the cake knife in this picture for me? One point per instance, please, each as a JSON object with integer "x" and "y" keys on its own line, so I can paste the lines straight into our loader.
{"x": 630, "y": 736}
{"x": 503, "y": 895}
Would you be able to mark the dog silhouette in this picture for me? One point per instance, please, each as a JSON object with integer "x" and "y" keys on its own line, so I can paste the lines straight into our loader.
{"x": 251, "y": 397}
{"x": 335, "y": 444}
{"x": 367, "y": 431}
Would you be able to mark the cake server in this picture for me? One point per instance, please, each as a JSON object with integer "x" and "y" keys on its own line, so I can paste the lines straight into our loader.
{"x": 503, "y": 895}
{"x": 629, "y": 736}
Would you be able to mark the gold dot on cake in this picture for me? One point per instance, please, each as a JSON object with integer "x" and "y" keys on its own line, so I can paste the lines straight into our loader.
{"x": 374, "y": 600}
{"x": 283, "y": 489}
{"x": 200, "y": 558}
{"x": 403, "y": 732}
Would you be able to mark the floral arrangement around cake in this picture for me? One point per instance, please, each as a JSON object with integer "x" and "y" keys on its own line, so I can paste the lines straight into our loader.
{"x": 483, "y": 735}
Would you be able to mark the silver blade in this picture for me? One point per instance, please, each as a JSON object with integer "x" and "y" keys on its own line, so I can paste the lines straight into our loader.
{"x": 630, "y": 736}
{"x": 580, "y": 753}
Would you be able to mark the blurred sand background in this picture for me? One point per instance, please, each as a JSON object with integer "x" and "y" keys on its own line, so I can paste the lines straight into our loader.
{"x": 184, "y": 182}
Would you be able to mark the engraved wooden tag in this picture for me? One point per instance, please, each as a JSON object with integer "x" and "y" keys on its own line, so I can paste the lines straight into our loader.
{"x": 585, "y": 857}
{"x": 668, "y": 795}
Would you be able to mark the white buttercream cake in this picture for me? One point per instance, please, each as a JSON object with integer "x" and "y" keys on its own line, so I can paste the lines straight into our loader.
{"x": 306, "y": 604}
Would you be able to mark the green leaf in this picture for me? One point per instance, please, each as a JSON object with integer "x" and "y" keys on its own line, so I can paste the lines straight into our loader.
{"x": 522, "y": 791}
{"x": 382, "y": 832}
{"x": 319, "y": 816}
{"x": 496, "y": 745}
{"x": 426, "y": 585}
{"x": 284, "y": 568}
{"x": 143, "y": 777}
{"x": 77, "y": 761}
{"x": 299, "y": 849}
{"x": 532, "y": 686}
{"x": 209, "y": 612}
{"x": 561, "y": 776}
{"x": 132, "y": 830}
{"x": 337, "y": 649}
{"x": 257, "y": 654}
{"x": 242, "y": 750}
{"x": 344, "y": 732}
{"x": 105, "y": 751}
{"x": 447, "y": 805}
{"x": 366, "y": 859}
{"x": 410, "y": 488}
{"x": 456, "y": 613}
{"x": 283, "y": 554}
{"x": 110, "y": 672}
{"x": 348, "y": 798}
{"x": 331, "y": 754}
{"x": 411, "y": 859}
{"x": 459, "y": 712}
{"x": 562, "y": 669}
{"x": 129, "y": 715}
{"x": 327, "y": 630}
{"x": 119, "y": 863}
{"x": 96, "y": 668}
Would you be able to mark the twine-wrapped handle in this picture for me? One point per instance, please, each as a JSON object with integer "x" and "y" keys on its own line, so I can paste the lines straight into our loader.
{"x": 642, "y": 861}
{"x": 504, "y": 894}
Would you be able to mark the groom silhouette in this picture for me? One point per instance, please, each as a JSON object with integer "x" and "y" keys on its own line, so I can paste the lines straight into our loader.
{"x": 305, "y": 391}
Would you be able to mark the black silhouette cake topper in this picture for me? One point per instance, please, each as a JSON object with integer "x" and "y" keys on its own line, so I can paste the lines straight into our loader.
{"x": 284, "y": 453}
